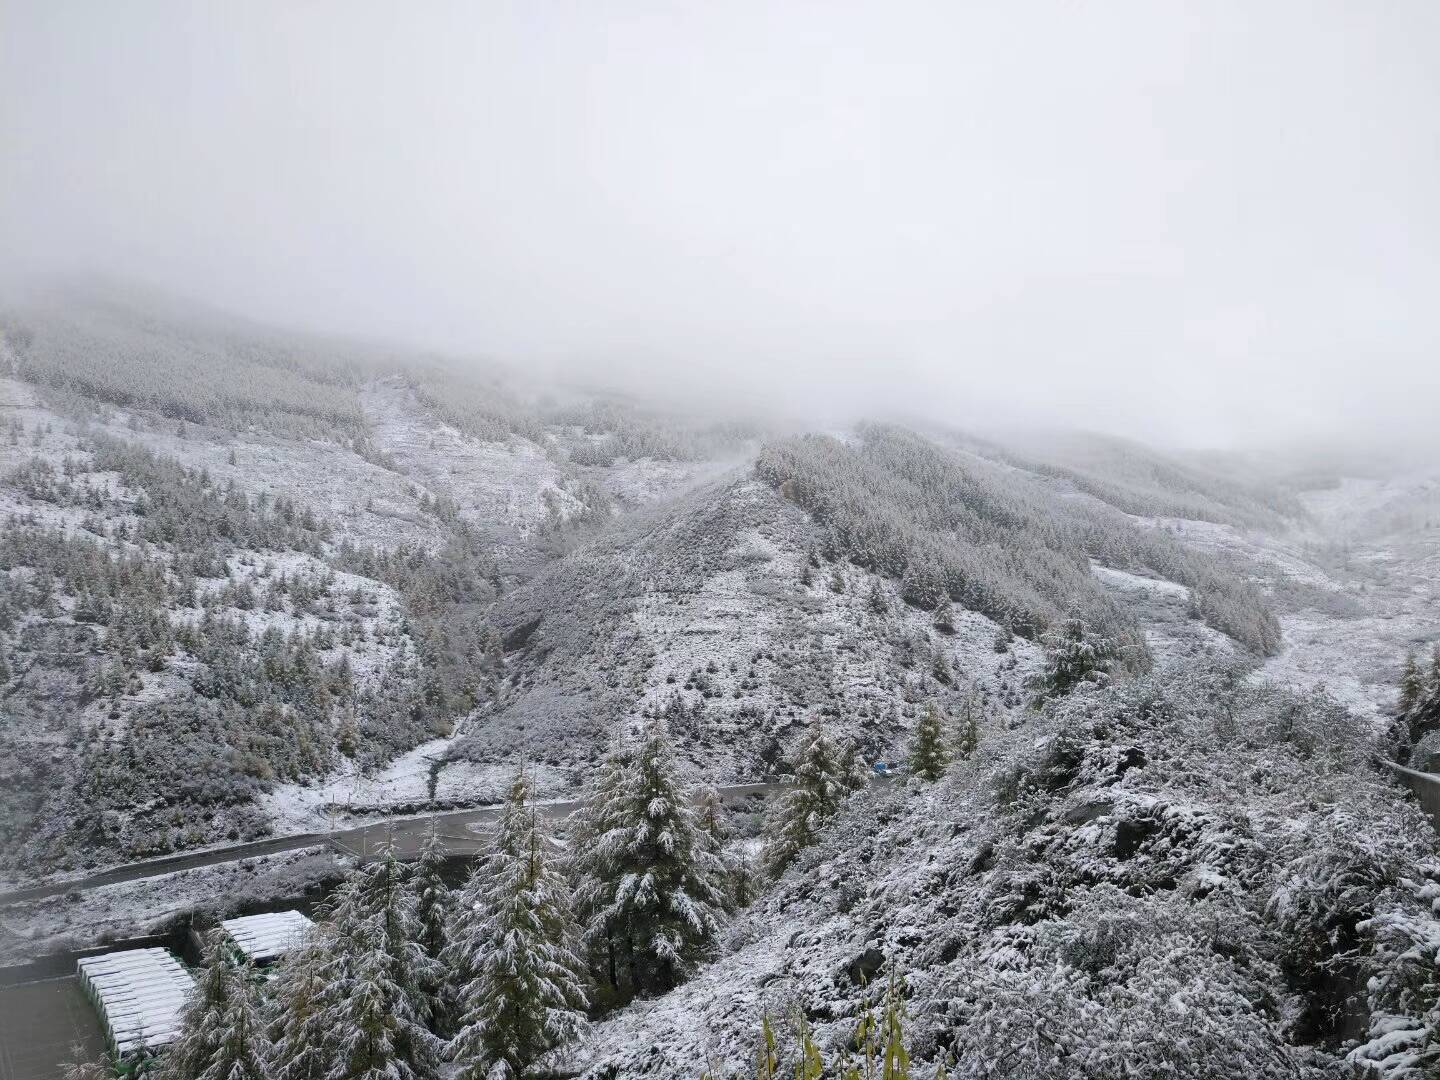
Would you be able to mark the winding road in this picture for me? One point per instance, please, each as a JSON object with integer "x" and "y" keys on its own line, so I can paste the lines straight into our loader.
{"x": 408, "y": 834}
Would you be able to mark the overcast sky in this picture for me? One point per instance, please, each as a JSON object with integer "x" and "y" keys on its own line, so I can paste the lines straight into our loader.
{"x": 1200, "y": 222}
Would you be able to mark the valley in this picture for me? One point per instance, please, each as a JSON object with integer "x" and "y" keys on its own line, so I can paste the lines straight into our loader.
{"x": 242, "y": 634}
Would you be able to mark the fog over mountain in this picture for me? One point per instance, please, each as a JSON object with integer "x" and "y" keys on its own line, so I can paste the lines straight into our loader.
{"x": 1197, "y": 224}
{"x": 638, "y": 540}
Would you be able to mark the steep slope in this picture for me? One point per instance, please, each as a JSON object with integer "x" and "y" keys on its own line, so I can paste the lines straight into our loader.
{"x": 1180, "y": 868}
{"x": 714, "y": 611}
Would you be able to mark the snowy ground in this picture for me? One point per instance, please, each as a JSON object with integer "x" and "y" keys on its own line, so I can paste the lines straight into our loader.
{"x": 1162, "y": 609}
{"x": 349, "y": 797}
{"x": 504, "y": 486}
{"x": 1355, "y": 588}
{"x": 135, "y": 908}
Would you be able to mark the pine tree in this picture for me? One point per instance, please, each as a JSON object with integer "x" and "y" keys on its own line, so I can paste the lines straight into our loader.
{"x": 742, "y": 878}
{"x": 300, "y": 1028}
{"x": 597, "y": 816}
{"x": 853, "y": 772}
{"x": 715, "y": 833}
{"x": 375, "y": 1007}
{"x": 222, "y": 1036}
{"x": 944, "y": 620}
{"x": 940, "y": 667}
{"x": 802, "y": 811}
{"x": 652, "y": 885}
{"x": 434, "y": 910}
{"x": 928, "y": 758}
{"x": 878, "y": 604}
{"x": 387, "y": 890}
{"x": 1074, "y": 655}
{"x": 967, "y": 738}
{"x": 523, "y": 991}
{"x": 1412, "y": 685}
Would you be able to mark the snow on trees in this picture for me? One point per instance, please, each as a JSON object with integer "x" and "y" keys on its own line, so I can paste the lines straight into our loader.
{"x": 1075, "y": 654}
{"x": 651, "y": 892}
{"x": 928, "y": 756}
{"x": 224, "y": 1036}
{"x": 300, "y": 1025}
{"x": 715, "y": 833}
{"x": 434, "y": 910}
{"x": 521, "y": 992}
{"x": 352, "y": 1004}
{"x": 967, "y": 724}
{"x": 798, "y": 815}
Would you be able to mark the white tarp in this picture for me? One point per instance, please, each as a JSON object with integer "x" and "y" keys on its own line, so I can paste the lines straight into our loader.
{"x": 140, "y": 994}
{"x": 264, "y": 937}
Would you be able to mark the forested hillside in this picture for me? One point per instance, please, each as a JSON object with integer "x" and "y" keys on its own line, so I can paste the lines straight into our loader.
{"x": 962, "y": 529}
{"x": 243, "y": 565}
{"x": 1184, "y": 868}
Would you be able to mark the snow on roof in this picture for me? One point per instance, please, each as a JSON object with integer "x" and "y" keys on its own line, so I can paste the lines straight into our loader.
{"x": 264, "y": 937}
{"x": 140, "y": 994}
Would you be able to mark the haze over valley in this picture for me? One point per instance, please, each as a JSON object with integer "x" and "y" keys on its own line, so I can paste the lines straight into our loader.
{"x": 706, "y": 542}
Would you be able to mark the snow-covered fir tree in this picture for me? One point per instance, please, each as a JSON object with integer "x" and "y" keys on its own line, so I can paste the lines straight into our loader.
{"x": 715, "y": 833}
{"x": 798, "y": 815}
{"x": 223, "y": 1035}
{"x": 300, "y": 1025}
{"x": 598, "y": 814}
{"x": 387, "y": 890}
{"x": 1412, "y": 684}
{"x": 1075, "y": 654}
{"x": 375, "y": 1007}
{"x": 854, "y": 773}
{"x": 967, "y": 726}
{"x": 514, "y": 952}
{"x": 434, "y": 911}
{"x": 434, "y": 900}
{"x": 928, "y": 756}
{"x": 652, "y": 891}
{"x": 944, "y": 619}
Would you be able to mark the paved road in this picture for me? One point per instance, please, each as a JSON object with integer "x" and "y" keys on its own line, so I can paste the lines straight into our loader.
{"x": 408, "y": 833}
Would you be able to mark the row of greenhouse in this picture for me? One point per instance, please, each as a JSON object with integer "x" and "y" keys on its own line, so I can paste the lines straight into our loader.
{"x": 140, "y": 994}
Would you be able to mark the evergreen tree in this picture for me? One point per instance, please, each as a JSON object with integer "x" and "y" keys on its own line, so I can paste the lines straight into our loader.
{"x": 967, "y": 738}
{"x": 1074, "y": 655}
{"x": 300, "y": 1028}
{"x": 742, "y": 878}
{"x": 927, "y": 753}
{"x": 878, "y": 604}
{"x": 945, "y": 615}
{"x": 386, "y": 889}
{"x": 434, "y": 911}
{"x": 222, "y": 1035}
{"x": 374, "y": 1007}
{"x": 801, "y": 812}
{"x": 1412, "y": 685}
{"x": 597, "y": 816}
{"x": 652, "y": 884}
{"x": 523, "y": 981}
{"x": 714, "y": 834}
{"x": 940, "y": 667}
{"x": 854, "y": 773}
{"x": 1004, "y": 638}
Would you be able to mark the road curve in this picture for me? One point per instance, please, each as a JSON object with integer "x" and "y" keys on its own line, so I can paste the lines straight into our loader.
{"x": 408, "y": 834}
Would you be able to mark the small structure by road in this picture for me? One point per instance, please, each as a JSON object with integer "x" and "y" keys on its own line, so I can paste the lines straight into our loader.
{"x": 140, "y": 995}
{"x": 262, "y": 939}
